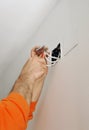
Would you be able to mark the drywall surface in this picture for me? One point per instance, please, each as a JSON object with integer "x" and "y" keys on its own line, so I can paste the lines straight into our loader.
{"x": 64, "y": 103}
{"x": 19, "y": 21}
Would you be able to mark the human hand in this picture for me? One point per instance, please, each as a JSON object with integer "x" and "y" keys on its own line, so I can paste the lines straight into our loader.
{"x": 34, "y": 70}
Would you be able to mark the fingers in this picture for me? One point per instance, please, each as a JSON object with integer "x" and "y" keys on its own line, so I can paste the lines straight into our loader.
{"x": 42, "y": 56}
{"x": 44, "y": 68}
{"x": 41, "y": 71}
{"x": 42, "y": 61}
{"x": 33, "y": 51}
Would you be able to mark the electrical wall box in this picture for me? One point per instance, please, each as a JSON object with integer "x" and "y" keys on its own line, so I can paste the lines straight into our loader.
{"x": 56, "y": 52}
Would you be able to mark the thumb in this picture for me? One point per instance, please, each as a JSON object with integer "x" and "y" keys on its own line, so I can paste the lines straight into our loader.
{"x": 39, "y": 74}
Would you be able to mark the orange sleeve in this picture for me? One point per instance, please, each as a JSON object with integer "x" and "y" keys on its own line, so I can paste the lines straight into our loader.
{"x": 15, "y": 112}
{"x": 32, "y": 109}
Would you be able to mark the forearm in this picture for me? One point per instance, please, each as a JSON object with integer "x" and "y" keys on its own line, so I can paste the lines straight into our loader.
{"x": 18, "y": 107}
{"x": 23, "y": 89}
{"x": 30, "y": 97}
{"x": 37, "y": 90}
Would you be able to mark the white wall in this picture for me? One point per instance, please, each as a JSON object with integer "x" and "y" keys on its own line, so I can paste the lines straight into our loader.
{"x": 19, "y": 21}
{"x": 64, "y": 103}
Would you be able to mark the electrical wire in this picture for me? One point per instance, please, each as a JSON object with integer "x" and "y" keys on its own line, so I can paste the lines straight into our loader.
{"x": 49, "y": 58}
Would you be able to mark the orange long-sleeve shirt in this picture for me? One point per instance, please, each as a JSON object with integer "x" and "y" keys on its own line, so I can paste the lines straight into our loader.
{"x": 15, "y": 112}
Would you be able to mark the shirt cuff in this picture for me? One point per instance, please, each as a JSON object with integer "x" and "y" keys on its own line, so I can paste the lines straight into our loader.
{"x": 27, "y": 110}
{"x": 21, "y": 103}
{"x": 32, "y": 109}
